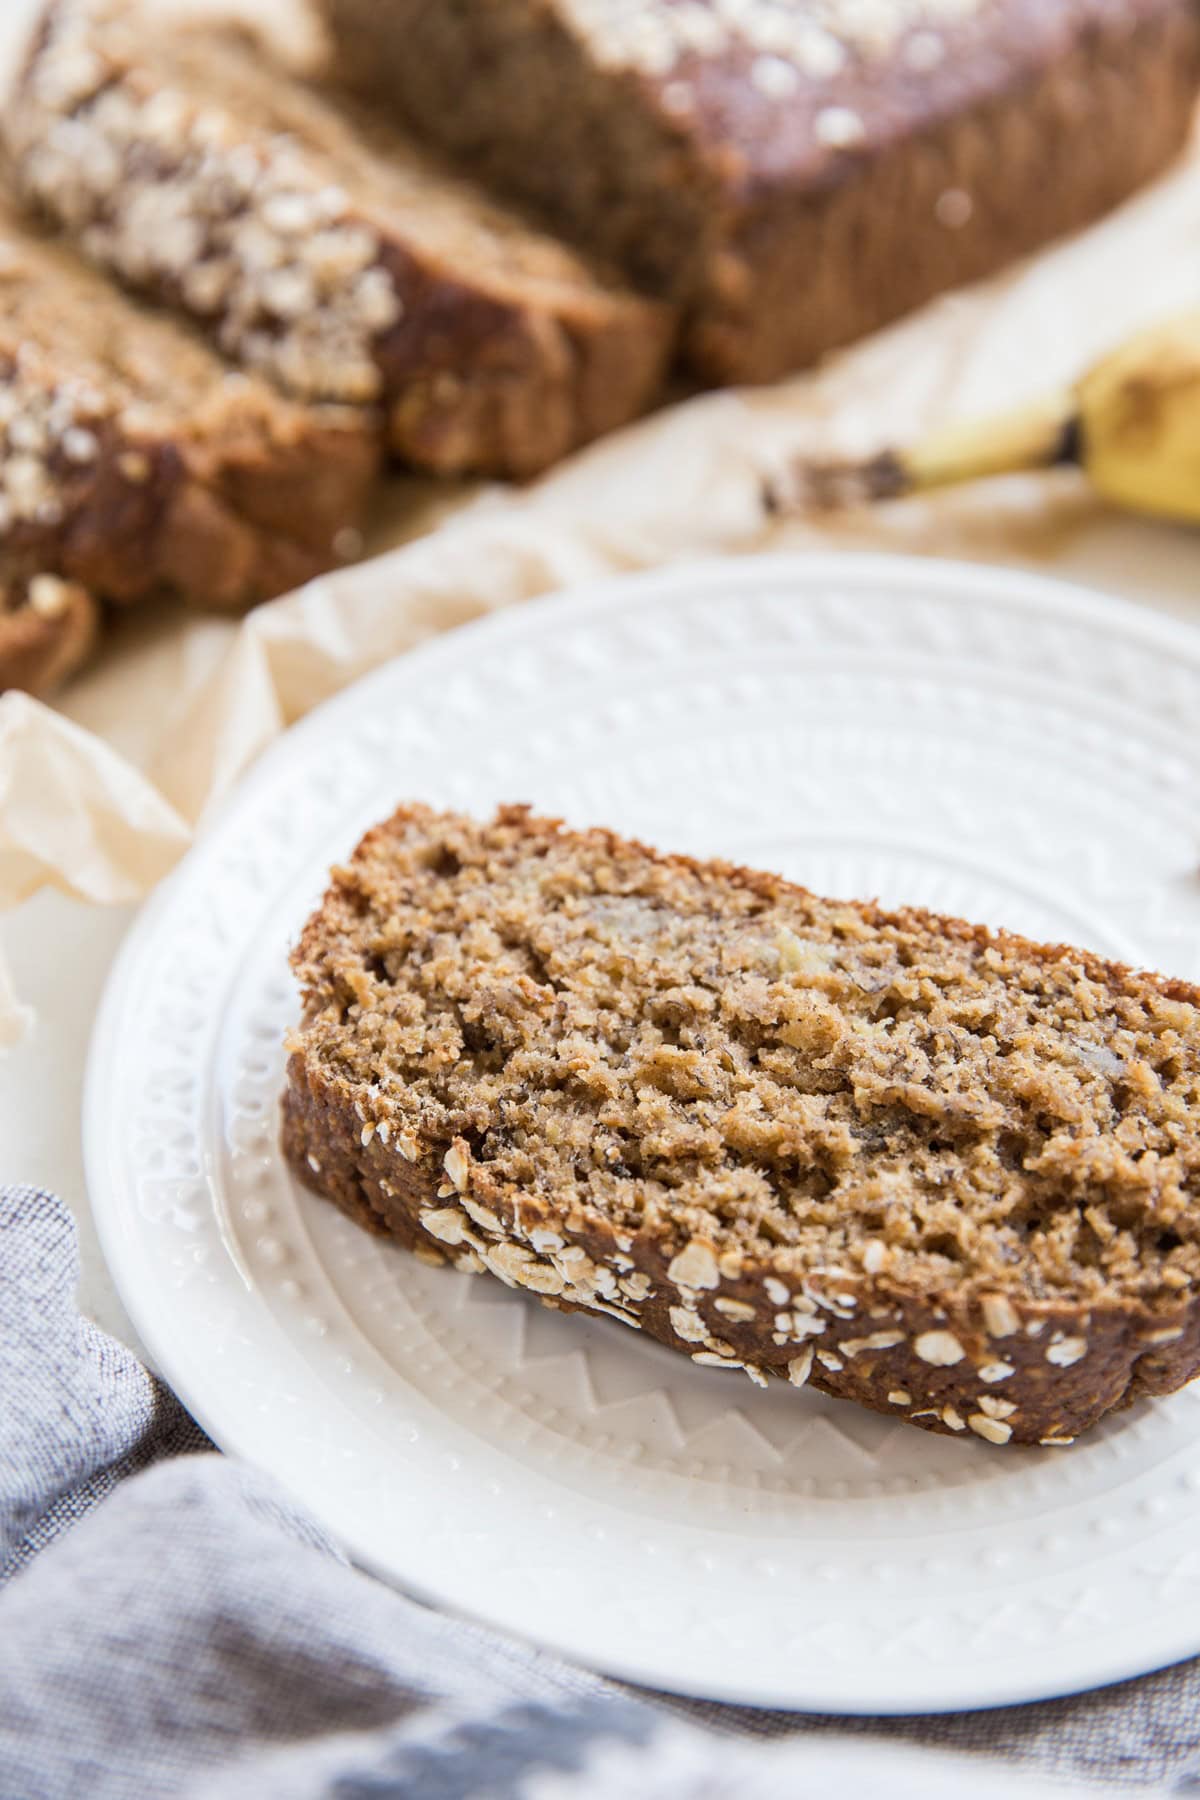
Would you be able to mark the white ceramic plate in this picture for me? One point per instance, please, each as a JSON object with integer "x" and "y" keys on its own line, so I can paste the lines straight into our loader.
{"x": 977, "y": 741}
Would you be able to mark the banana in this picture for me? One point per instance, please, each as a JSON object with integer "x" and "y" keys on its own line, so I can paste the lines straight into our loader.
{"x": 1132, "y": 423}
{"x": 1139, "y": 422}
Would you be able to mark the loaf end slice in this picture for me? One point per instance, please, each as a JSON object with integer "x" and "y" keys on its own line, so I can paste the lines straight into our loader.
{"x": 794, "y": 176}
{"x": 322, "y": 249}
{"x": 933, "y": 1168}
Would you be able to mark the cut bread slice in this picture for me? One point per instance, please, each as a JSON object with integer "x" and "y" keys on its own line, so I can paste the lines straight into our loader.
{"x": 930, "y": 1167}
{"x": 321, "y": 248}
{"x": 47, "y": 629}
{"x": 136, "y": 462}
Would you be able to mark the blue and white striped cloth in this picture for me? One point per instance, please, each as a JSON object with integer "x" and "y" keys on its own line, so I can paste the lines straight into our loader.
{"x": 172, "y": 1624}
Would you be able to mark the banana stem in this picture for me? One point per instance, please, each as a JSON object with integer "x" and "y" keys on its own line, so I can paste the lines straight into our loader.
{"x": 1031, "y": 437}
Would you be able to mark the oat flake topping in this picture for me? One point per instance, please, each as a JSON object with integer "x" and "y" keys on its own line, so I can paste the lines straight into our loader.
{"x": 817, "y": 40}
{"x": 171, "y": 195}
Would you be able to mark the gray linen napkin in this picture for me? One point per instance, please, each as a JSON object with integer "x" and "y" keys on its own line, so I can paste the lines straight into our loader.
{"x": 172, "y": 1624}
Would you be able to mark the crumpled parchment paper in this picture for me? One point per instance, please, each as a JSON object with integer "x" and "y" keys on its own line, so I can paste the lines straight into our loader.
{"x": 99, "y": 796}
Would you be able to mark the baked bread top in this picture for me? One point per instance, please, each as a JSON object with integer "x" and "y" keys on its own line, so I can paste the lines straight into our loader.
{"x": 770, "y": 89}
{"x": 960, "y": 1159}
{"x": 710, "y": 97}
{"x": 792, "y": 173}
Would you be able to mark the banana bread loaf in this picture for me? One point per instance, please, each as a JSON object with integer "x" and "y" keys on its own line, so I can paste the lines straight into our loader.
{"x": 933, "y": 1168}
{"x": 795, "y": 174}
{"x": 134, "y": 462}
{"x": 47, "y": 628}
{"x": 322, "y": 249}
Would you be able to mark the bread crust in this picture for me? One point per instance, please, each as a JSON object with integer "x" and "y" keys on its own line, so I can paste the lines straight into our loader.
{"x": 964, "y": 1360}
{"x": 216, "y": 489}
{"x": 1052, "y": 151}
{"x": 154, "y": 517}
{"x": 791, "y": 207}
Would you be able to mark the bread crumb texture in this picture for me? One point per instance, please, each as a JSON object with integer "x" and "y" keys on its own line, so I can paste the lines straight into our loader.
{"x": 747, "y": 1118}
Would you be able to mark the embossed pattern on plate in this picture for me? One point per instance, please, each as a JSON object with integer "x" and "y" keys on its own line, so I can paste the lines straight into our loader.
{"x": 981, "y": 742}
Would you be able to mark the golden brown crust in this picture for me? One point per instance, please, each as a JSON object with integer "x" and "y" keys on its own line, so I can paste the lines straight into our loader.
{"x": 1131, "y": 1352}
{"x": 972, "y": 1355}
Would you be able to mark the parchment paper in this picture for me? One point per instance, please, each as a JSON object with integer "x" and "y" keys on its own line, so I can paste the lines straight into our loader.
{"x": 99, "y": 796}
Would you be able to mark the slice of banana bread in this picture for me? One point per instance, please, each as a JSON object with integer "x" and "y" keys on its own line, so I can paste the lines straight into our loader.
{"x": 933, "y": 1168}
{"x": 135, "y": 462}
{"x": 47, "y": 628}
{"x": 321, "y": 248}
{"x": 795, "y": 174}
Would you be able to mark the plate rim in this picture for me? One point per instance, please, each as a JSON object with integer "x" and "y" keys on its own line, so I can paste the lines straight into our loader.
{"x": 1014, "y": 587}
